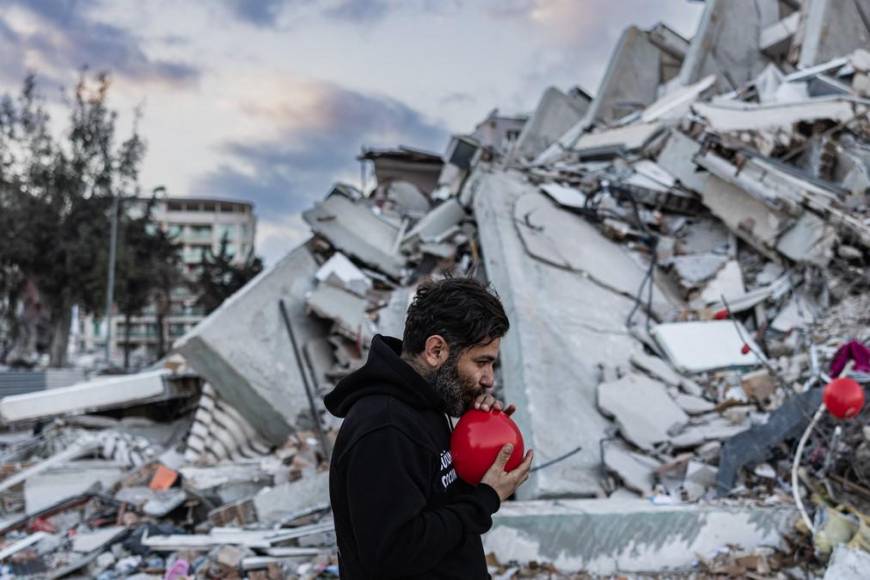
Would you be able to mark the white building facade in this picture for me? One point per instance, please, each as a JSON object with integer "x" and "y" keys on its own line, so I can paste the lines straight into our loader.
{"x": 198, "y": 225}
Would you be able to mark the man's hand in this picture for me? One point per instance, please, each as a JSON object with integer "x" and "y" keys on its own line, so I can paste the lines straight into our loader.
{"x": 506, "y": 483}
{"x": 485, "y": 402}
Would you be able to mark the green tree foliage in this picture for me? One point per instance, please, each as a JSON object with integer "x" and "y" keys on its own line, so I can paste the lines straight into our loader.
{"x": 55, "y": 200}
{"x": 219, "y": 276}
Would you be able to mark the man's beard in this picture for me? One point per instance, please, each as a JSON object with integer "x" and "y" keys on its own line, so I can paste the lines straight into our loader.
{"x": 458, "y": 394}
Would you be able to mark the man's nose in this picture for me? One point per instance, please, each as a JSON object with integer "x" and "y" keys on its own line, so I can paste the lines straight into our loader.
{"x": 487, "y": 379}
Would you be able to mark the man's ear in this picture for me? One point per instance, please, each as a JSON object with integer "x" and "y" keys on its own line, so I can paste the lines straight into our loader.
{"x": 436, "y": 351}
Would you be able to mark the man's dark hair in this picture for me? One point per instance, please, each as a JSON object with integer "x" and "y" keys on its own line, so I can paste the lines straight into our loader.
{"x": 463, "y": 311}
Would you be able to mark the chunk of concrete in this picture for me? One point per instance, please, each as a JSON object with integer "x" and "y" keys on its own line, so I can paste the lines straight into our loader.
{"x": 555, "y": 112}
{"x": 617, "y": 141}
{"x": 275, "y": 504}
{"x": 342, "y": 273}
{"x": 353, "y": 228}
{"x": 693, "y": 405}
{"x": 437, "y": 223}
{"x": 550, "y": 321}
{"x": 663, "y": 371}
{"x": 848, "y": 564}
{"x": 243, "y": 350}
{"x": 707, "y": 345}
{"x": 634, "y": 469}
{"x": 810, "y": 241}
{"x": 346, "y": 310}
{"x": 727, "y": 282}
{"x": 644, "y": 411}
{"x": 834, "y": 28}
{"x": 230, "y": 482}
{"x": 613, "y": 536}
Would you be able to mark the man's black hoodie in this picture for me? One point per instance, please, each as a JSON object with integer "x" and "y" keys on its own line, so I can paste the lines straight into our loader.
{"x": 400, "y": 510}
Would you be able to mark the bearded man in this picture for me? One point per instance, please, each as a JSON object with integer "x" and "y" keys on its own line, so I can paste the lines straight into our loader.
{"x": 400, "y": 510}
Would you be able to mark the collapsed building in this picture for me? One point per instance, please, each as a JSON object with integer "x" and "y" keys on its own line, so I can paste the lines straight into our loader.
{"x": 683, "y": 260}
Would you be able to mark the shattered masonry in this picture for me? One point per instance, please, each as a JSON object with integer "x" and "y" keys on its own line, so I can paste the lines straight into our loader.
{"x": 682, "y": 256}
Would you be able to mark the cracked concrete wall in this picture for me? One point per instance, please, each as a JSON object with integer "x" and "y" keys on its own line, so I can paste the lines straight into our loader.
{"x": 563, "y": 325}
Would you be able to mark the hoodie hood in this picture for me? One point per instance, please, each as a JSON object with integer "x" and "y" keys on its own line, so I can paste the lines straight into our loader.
{"x": 384, "y": 373}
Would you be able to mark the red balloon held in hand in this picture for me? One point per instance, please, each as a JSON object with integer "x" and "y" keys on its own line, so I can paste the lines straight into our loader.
{"x": 843, "y": 397}
{"x": 477, "y": 439}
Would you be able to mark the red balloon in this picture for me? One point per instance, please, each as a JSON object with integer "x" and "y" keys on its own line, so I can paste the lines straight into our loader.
{"x": 843, "y": 397}
{"x": 477, "y": 439}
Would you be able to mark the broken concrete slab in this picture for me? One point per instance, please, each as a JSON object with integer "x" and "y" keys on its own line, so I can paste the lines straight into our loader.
{"x": 339, "y": 271}
{"x": 643, "y": 409}
{"x": 162, "y": 502}
{"x": 66, "y": 481}
{"x": 636, "y": 471}
{"x": 262, "y": 539}
{"x": 550, "y": 320}
{"x": 775, "y": 39}
{"x": 832, "y": 29}
{"x": 727, "y": 282}
{"x": 693, "y": 405}
{"x": 231, "y": 482}
{"x": 740, "y": 116}
{"x": 346, "y": 310}
{"x": 624, "y": 536}
{"x": 809, "y": 241}
{"x": 354, "y": 229}
{"x": 726, "y": 43}
{"x": 96, "y": 395}
{"x": 243, "y": 350}
{"x": 663, "y": 371}
{"x": 275, "y": 504}
{"x": 613, "y": 142}
{"x": 635, "y": 70}
{"x": 706, "y": 345}
{"x": 407, "y": 199}
{"x": 87, "y": 542}
{"x": 565, "y": 196}
{"x": 847, "y": 564}
{"x": 83, "y": 446}
{"x": 436, "y": 224}
{"x": 677, "y": 102}
{"x": 553, "y": 235}
{"x": 555, "y": 112}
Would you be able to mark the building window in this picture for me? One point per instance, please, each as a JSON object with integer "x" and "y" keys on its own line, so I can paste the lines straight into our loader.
{"x": 228, "y": 230}
{"x": 200, "y": 233}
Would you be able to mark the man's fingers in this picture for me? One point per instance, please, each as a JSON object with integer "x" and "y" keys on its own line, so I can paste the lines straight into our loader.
{"x": 509, "y": 410}
{"x": 503, "y": 456}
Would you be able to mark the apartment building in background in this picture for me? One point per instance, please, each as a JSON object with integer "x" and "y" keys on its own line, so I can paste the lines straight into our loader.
{"x": 199, "y": 225}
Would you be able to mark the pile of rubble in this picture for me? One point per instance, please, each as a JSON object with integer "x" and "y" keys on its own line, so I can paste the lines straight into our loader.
{"x": 682, "y": 259}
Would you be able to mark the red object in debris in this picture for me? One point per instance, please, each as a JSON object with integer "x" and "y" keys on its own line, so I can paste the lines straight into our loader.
{"x": 163, "y": 478}
{"x": 42, "y": 525}
{"x": 477, "y": 439}
{"x": 722, "y": 314}
{"x": 843, "y": 397}
{"x": 745, "y": 348}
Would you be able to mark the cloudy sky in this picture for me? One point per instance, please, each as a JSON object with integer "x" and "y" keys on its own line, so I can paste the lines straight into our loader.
{"x": 271, "y": 100}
